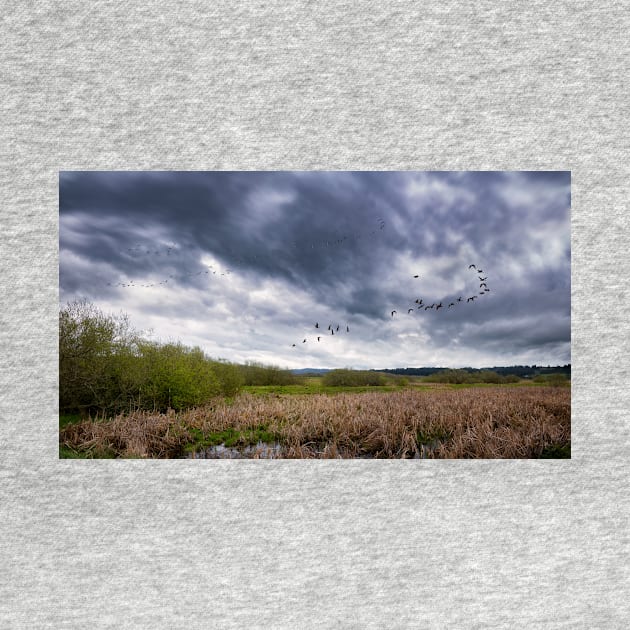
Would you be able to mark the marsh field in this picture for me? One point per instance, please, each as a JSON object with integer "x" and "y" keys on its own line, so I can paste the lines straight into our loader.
{"x": 315, "y": 314}
{"x": 415, "y": 420}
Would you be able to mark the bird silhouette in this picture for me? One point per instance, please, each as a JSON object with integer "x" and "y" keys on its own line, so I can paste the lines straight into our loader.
{"x": 304, "y": 341}
{"x": 293, "y": 345}
{"x": 419, "y": 301}
{"x": 393, "y": 313}
{"x": 416, "y": 276}
{"x": 426, "y": 308}
{"x": 482, "y": 279}
{"x": 328, "y": 326}
{"x": 317, "y": 325}
{"x": 332, "y": 332}
{"x": 483, "y": 284}
{"x": 347, "y": 329}
{"x": 451, "y": 304}
{"x": 337, "y": 328}
{"x": 472, "y": 267}
{"x": 479, "y": 270}
{"x": 459, "y": 299}
{"x": 409, "y": 311}
{"x": 439, "y": 306}
{"x": 318, "y": 338}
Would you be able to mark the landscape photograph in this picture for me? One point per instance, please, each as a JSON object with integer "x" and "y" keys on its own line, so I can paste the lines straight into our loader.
{"x": 315, "y": 314}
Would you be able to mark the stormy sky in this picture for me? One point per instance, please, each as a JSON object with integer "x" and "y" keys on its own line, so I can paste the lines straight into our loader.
{"x": 244, "y": 264}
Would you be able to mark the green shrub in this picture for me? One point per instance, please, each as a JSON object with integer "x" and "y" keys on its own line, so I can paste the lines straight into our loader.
{"x": 353, "y": 378}
{"x": 450, "y": 376}
{"x": 259, "y": 374}
{"x": 555, "y": 379}
{"x": 176, "y": 377}
{"x": 96, "y": 359}
{"x": 229, "y": 375}
{"x": 488, "y": 376}
{"x": 106, "y": 367}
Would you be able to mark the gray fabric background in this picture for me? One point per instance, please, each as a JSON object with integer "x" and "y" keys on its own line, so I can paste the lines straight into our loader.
{"x": 294, "y": 544}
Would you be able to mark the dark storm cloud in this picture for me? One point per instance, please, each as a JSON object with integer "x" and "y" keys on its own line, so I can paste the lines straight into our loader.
{"x": 348, "y": 242}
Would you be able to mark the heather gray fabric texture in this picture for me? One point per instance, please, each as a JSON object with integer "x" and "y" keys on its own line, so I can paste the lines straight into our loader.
{"x": 297, "y": 544}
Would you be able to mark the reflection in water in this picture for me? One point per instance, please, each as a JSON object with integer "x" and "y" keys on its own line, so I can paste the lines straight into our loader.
{"x": 261, "y": 450}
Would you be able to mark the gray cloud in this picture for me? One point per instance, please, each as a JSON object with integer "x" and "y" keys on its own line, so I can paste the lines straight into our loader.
{"x": 245, "y": 263}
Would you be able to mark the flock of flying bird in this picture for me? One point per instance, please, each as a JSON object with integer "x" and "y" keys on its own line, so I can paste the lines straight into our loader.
{"x": 171, "y": 249}
{"x": 208, "y": 270}
{"x": 420, "y": 305}
{"x": 437, "y": 306}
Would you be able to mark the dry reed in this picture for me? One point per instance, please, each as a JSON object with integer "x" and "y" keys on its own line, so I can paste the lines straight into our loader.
{"x": 442, "y": 423}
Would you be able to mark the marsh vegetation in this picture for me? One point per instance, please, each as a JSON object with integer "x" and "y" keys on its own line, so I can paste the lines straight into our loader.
{"x": 124, "y": 396}
{"x": 500, "y": 422}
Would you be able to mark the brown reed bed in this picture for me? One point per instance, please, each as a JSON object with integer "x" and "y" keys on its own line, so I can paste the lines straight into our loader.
{"x": 501, "y": 422}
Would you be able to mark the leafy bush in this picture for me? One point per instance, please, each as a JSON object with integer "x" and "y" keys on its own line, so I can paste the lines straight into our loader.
{"x": 97, "y": 358}
{"x": 488, "y": 376}
{"x": 176, "y": 377}
{"x": 229, "y": 375}
{"x": 459, "y": 377}
{"x": 353, "y": 378}
{"x": 107, "y": 367}
{"x": 450, "y": 376}
{"x": 258, "y": 374}
{"x": 554, "y": 379}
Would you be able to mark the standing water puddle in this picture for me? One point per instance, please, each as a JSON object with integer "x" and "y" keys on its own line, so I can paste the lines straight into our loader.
{"x": 262, "y": 450}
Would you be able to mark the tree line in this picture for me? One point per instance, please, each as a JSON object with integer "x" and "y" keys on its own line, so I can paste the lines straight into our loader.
{"x": 108, "y": 367}
{"x": 522, "y": 371}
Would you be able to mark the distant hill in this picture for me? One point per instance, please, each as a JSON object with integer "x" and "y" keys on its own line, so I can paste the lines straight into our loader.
{"x": 310, "y": 371}
{"x": 523, "y": 371}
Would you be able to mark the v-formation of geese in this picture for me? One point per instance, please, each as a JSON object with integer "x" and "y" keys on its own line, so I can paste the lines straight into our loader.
{"x": 421, "y": 306}
{"x": 331, "y": 327}
{"x": 171, "y": 249}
